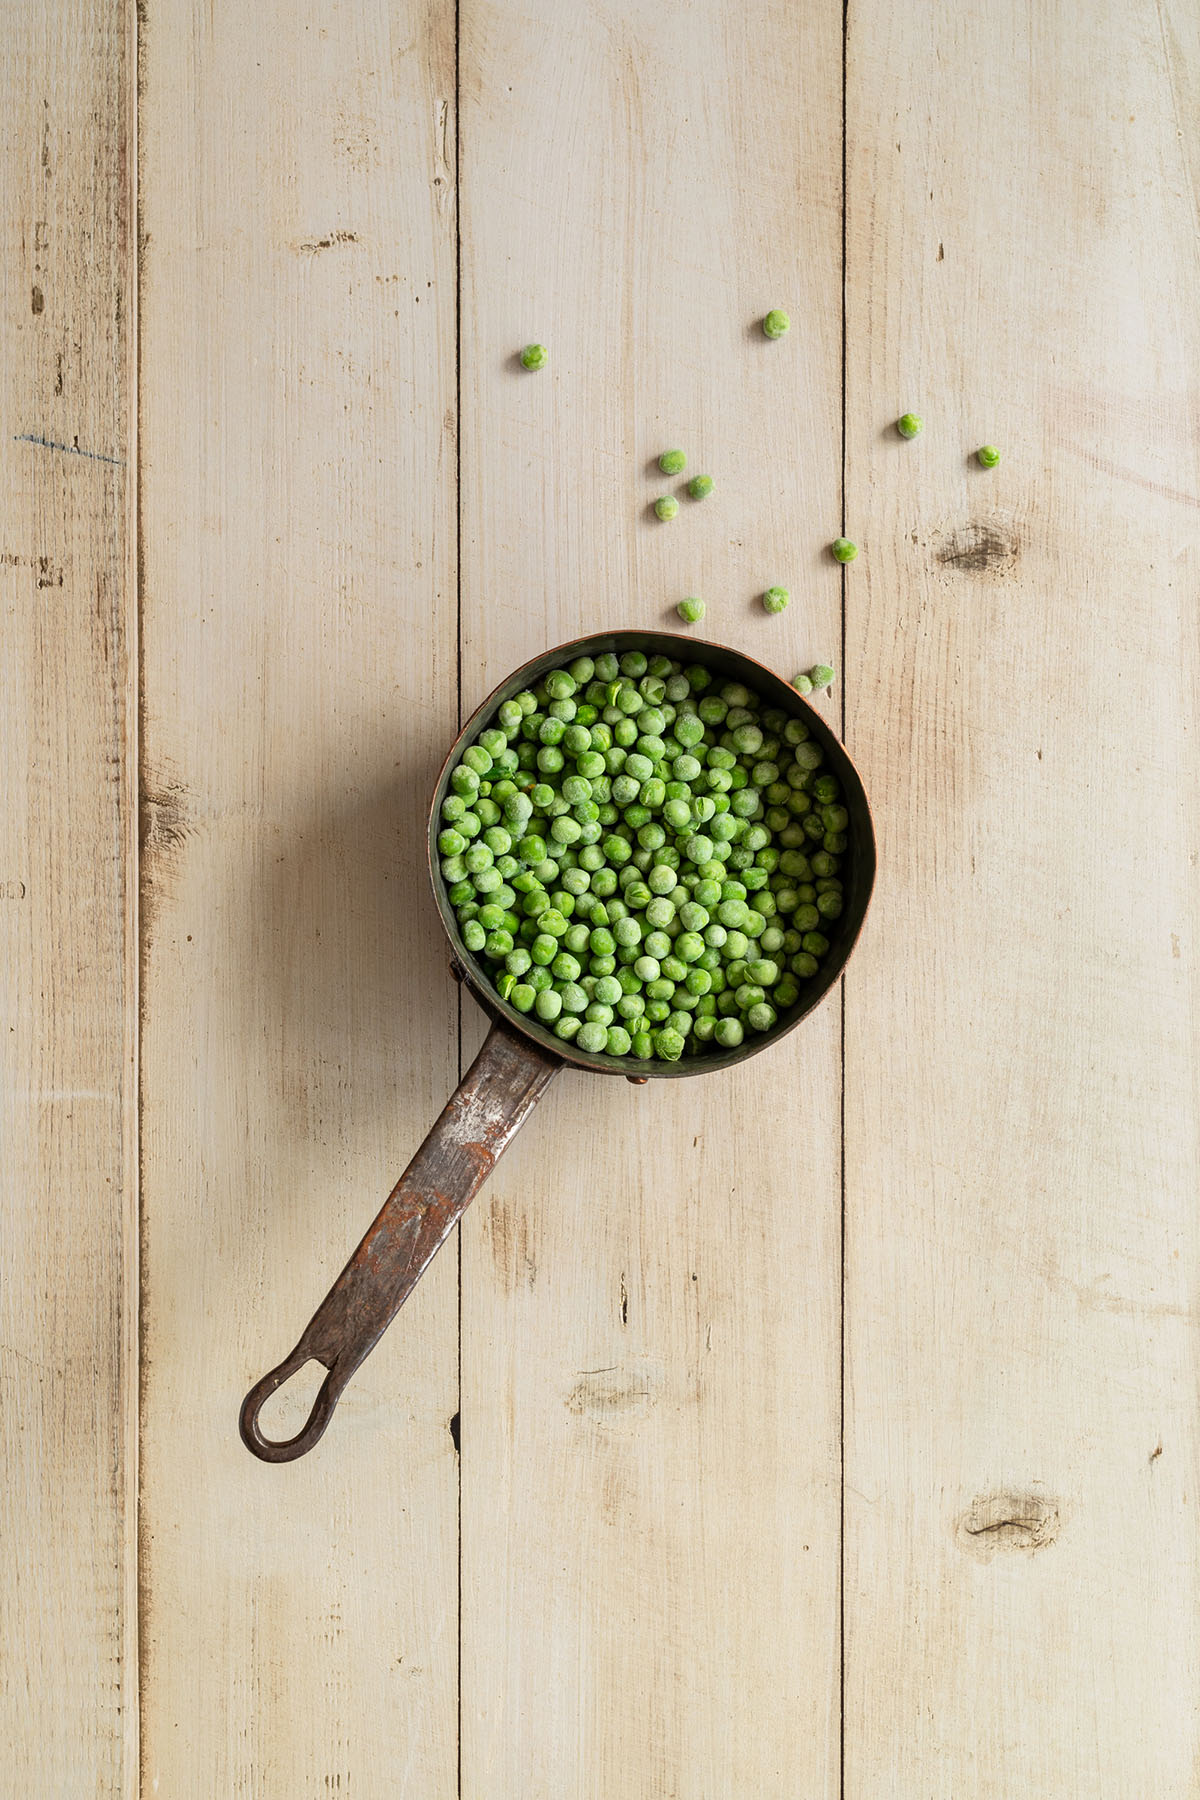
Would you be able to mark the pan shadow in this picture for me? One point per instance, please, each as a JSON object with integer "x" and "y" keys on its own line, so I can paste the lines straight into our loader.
{"x": 346, "y": 972}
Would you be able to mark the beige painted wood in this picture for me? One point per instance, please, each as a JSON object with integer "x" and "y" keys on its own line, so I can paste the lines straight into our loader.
{"x": 650, "y": 1281}
{"x": 297, "y": 392}
{"x": 1021, "y": 1112}
{"x": 68, "y": 1196}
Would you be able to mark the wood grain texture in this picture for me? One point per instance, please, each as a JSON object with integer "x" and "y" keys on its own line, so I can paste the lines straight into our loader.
{"x": 1021, "y": 1147}
{"x": 651, "y": 1321}
{"x": 650, "y": 1283}
{"x": 299, "y": 1622}
{"x": 68, "y": 1203}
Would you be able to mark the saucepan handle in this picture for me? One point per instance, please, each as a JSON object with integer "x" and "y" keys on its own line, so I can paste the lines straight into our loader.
{"x": 492, "y": 1102}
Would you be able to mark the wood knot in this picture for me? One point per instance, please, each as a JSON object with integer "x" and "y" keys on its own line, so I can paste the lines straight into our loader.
{"x": 981, "y": 547}
{"x": 1008, "y": 1521}
{"x": 609, "y": 1392}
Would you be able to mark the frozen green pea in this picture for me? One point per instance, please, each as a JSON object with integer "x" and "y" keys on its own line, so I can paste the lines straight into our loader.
{"x": 775, "y": 599}
{"x": 548, "y": 1005}
{"x": 690, "y": 610}
{"x": 667, "y": 507}
{"x": 988, "y": 456}
{"x": 728, "y": 1033}
{"x": 534, "y": 356}
{"x": 700, "y": 487}
{"x": 843, "y": 550}
{"x": 776, "y": 323}
{"x": 668, "y": 1043}
{"x": 761, "y": 1016}
{"x": 672, "y": 462}
{"x": 522, "y": 997}
{"x": 909, "y": 424}
{"x": 820, "y": 675}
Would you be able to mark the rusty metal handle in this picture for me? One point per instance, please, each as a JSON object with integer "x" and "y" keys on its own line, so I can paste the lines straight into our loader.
{"x": 479, "y": 1121}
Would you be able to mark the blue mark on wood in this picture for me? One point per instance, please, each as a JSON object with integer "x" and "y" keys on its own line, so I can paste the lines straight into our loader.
{"x": 27, "y": 437}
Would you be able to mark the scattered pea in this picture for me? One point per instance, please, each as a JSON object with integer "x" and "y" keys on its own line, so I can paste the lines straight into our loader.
{"x": 534, "y": 356}
{"x": 776, "y": 323}
{"x": 672, "y": 462}
{"x": 988, "y": 456}
{"x": 775, "y": 599}
{"x": 802, "y": 684}
{"x": 909, "y": 424}
{"x": 700, "y": 487}
{"x": 843, "y": 550}
{"x": 690, "y": 611}
{"x": 820, "y": 675}
{"x": 667, "y": 507}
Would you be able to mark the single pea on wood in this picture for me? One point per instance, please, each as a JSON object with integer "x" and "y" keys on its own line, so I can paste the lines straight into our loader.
{"x": 690, "y": 611}
{"x": 988, "y": 456}
{"x": 534, "y": 356}
{"x": 776, "y": 323}
{"x": 644, "y": 858}
{"x": 910, "y": 425}
{"x": 700, "y": 487}
{"x": 667, "y": 507}
{"x": 775, "y": 599}
{"x": 672, "y": 462}
{"x": 844, "y": 550}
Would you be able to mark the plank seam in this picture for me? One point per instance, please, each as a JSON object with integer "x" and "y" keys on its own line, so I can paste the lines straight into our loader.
{"x": 842, "y": 1025}
{"x": 137, "y": 1777}
{"x": 459, "y": 717}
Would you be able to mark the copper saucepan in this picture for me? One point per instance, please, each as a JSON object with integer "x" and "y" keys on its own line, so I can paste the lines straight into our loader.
{"x": 520, "y": 1057}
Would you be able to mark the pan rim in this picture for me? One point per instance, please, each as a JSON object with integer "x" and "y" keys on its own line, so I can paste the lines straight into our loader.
{"x": 470, "y": 973}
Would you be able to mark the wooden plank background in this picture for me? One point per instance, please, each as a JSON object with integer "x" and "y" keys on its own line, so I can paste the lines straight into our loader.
{"x": 1021, "y": 654}
{"x": 827, "y": 1428}
{"x": 68, "y": 1145}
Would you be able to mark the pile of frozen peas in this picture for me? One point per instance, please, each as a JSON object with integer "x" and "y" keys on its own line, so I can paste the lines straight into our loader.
{"x": 645, "y": 858}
